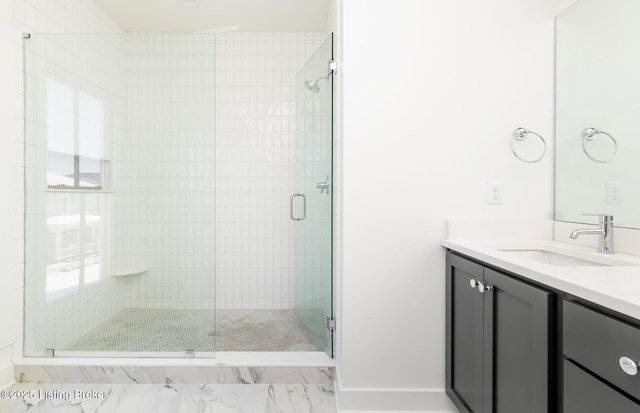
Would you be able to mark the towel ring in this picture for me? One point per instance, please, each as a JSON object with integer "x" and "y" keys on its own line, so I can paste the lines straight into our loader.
{"x": 521, "y": 134}
{"x": 590, "y": 134}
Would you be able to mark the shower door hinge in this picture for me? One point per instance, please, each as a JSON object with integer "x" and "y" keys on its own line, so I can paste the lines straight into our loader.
{"x": 333, "y": 67}
{"x": 331, "y": 323}
{"x": 49, "y": 353}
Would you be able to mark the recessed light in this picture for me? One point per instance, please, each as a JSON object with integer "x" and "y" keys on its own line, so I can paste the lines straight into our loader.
{"x": 189, "y": 3}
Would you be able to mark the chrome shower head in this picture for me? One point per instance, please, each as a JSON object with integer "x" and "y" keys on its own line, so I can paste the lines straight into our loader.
{"x": 312, "y": 85}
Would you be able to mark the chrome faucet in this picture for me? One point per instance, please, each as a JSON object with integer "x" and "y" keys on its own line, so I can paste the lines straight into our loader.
{"x": 605, "y": 231}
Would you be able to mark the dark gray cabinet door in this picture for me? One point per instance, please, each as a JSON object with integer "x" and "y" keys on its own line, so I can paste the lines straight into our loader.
{"x": 516, "y": 343}
{"x": 464, "y": 369}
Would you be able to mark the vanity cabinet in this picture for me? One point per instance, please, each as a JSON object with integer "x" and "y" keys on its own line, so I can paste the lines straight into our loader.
{"x": 499, "y": 354}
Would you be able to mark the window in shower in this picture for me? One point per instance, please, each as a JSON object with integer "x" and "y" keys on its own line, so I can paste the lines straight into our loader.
{"x": 76, "y": 237}
{"x": 75, "y": 218}
{"x": 74, "y": 137}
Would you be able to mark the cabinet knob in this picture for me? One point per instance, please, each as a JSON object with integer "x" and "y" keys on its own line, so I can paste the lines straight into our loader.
{"x": 473, "y": 283}
{"x": 484, "y": 287}
{"x": 628, "y": 366}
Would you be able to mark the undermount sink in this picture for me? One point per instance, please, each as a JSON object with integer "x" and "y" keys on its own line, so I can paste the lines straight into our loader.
{"x": 554, "y": 258}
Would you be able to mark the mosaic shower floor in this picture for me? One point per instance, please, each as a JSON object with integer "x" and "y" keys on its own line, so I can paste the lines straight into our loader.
{"x": 142, "y": 329}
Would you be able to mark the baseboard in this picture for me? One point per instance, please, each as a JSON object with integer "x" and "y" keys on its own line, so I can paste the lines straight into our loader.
{"x": 397, "y": 400}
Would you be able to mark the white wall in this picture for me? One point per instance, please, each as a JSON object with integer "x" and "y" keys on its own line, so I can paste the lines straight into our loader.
{"x": 563, "y": 4}
{"x": 10, "y": 249}
{"x": 432, "y": 92}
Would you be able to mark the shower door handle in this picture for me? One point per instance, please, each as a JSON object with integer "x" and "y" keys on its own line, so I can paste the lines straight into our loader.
{"x": 304, "y": 207}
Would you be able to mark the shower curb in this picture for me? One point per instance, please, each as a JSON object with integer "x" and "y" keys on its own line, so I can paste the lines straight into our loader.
{"x": 174, "y": 374}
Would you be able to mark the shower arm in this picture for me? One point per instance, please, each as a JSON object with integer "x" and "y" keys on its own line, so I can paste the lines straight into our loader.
{"x": 323, "y": 77}
{"x": 333, "y": 68}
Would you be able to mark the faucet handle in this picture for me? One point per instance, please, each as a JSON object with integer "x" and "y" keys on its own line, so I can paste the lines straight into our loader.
{"x": 604, "y": 218}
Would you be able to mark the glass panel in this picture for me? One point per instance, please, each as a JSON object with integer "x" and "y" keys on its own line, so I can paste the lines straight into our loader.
{"x": 597, "y": 108}
{"x": 120, "y": 151}
{"x": 314, "y": 178}
{"x": 119, "y": 225}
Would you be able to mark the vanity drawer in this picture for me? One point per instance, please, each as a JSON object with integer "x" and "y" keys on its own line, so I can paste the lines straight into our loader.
{"x": 583, "y": 393}
{"x": 597, "y": 342}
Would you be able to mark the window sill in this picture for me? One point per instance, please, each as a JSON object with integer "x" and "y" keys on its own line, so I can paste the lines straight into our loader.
{"x": 90, "y": 191}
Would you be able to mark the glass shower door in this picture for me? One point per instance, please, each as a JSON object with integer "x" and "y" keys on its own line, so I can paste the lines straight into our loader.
{"x": 312, "y": 203}
{"x": 119, "y": 195}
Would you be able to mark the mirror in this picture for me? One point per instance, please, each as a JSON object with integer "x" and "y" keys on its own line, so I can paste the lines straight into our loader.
{"x": 598, "y": 111}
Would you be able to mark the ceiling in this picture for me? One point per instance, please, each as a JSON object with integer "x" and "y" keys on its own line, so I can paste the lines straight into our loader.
{"x": 249, "y": 15}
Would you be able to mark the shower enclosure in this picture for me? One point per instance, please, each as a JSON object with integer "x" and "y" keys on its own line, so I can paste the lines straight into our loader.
{"x": 178, "y": 194}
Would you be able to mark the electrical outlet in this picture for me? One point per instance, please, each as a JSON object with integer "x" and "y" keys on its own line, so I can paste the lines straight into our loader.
{"x": 613, "y": 193}
{"x": 494, "y": 193}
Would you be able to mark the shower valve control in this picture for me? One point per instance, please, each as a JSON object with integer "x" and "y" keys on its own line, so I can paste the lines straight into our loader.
{"x": 323, "y": 185}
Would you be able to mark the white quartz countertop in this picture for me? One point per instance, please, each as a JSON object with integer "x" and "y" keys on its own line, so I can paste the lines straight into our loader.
{"x": 616, "y": 287}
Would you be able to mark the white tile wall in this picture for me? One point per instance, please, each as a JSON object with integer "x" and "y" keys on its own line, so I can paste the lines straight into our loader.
{"x": 256, "y": 107}
{"x": 166, "y": 207}
{"x": 173, "y": 187}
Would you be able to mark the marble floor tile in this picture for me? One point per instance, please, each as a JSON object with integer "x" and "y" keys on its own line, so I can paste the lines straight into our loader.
{"x": 222, "y": 398}
{"x": 169, "y": 398}
{"x": 301, "y": 398}
{"x": 174, "y": 374}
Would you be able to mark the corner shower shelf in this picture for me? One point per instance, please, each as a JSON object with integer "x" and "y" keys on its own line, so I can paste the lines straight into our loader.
{"x": 130, "y": 271}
